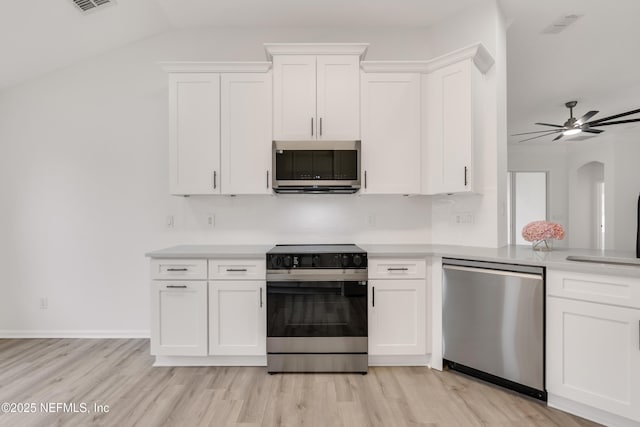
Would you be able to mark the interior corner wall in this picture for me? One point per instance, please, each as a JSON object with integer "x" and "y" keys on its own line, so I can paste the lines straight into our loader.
{"x": 84, "y": 168}
{"x": 482, "y": 23}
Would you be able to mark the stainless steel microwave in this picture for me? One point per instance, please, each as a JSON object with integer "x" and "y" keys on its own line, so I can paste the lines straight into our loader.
{"x": 316, "y": 166}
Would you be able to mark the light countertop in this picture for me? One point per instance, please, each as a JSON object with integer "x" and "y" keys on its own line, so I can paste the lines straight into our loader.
{"x": 520, "y": 254}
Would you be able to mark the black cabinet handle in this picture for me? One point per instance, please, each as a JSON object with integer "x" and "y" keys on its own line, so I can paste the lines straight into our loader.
{"x": 177, "y": 269}
{"x": 397, "y": 269}
{"x": 176, "y": 286}
{"x": 237, "y": 269}
{"x": 465, "y": 176}
{"x": 365, "y": 179}
{"x": 320, "y": 126}
{"x": 260, "y": 297}
{"x": 373, "y": 296}
{"x": 267, "y": 179}
{"x": 311, "y": 126}
{"x": 215, "y": 179}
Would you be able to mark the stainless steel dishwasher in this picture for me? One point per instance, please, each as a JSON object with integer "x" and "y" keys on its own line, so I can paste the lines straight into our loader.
{"x": 493, "y": 323}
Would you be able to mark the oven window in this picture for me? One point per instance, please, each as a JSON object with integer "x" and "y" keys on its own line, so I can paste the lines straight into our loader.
{"x": 317, "y": 164}
{"x": 316, "y": 309}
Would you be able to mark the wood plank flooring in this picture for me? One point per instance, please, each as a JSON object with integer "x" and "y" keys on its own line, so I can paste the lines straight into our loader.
{"x": 118, "y": 373}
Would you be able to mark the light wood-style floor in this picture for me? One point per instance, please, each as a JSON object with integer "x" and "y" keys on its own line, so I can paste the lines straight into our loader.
{"x": 118, "y": 373}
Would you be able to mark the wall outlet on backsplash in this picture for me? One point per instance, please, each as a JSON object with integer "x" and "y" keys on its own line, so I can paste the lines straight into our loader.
{"x": 463, "y": 218}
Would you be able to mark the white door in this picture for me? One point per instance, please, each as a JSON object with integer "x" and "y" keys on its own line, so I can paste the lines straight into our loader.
{"x": 391, "y": 133}
{"x": 179, "y": 318}
{"x": 397, "y": 317}
{"x": 593, "y": 355}
{"x": 194, "y": 133}
{"x": 246, "y": 102}
{"x": 449, "y": 129}
{"x": 237, "y": 318}
{"x": 338, "y": 97}
{"x": 294, "y": 97}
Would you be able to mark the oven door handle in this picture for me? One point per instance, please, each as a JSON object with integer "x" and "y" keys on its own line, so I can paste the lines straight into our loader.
{"x": 329, "y": 275}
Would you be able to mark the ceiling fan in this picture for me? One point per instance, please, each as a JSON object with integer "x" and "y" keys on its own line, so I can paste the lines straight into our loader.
{"x": 575, "y": 126}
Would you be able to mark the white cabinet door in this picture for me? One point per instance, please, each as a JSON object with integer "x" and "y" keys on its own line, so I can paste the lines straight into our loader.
{"x": 237, "y": 318}
{"x": 294, "y": 97}
{"x": 338, "y": 101}
{"x": 391, "y": 133}
{"x": 179, "y": 318}
{"x": 245, "y": 133}
{"x": 397, "y": 317}
{"x": 194, "y": 133}
{"x": 593, "y": 355}
{"x": 449, "y": 129}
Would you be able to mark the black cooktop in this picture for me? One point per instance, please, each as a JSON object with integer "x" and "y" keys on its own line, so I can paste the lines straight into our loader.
{"x": 316, "y": 249}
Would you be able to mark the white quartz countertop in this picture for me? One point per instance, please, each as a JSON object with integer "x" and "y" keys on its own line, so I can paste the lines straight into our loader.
{"x": 520, "y": 254}
{"x": 211, "y": 251}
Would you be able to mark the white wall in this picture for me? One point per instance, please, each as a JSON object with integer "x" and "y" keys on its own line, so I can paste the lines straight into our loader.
{"x": 84, "y": 169}
{"x": 481, "y": 23}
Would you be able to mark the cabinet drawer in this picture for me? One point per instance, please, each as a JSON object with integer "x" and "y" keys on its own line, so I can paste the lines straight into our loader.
{"x": 243, "y": 269}
{"x": 618, "y": 290}
{"x": 179, "y": 269}
{"x": 397, "y": 268}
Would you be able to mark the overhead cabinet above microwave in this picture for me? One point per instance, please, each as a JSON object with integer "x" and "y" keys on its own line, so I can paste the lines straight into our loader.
{"x": 316, "y": 91}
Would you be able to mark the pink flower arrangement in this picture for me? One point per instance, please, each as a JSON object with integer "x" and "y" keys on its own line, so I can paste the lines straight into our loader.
{"x": 542, "y": 230}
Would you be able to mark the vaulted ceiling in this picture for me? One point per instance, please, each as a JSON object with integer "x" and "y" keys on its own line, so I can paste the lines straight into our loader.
{"x": 591, "y": 61}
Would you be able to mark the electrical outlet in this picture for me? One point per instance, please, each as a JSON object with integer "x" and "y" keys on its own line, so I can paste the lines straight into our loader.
{"x": 170, "y": 221}
{"x": 211, "y": 220}
{"x": 370, "y": 220}
{"x": 463, "y": 218}
{"x": 44, "y": 303}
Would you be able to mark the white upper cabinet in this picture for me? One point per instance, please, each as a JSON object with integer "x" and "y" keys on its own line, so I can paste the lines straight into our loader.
{"x": 220, "y": 127}
{"x": 245, "y": 133}
{"x": 391, "y": 133}
{"x": 194, "y": 133}
{"x": 338, "y": 100}
{"x": 316, "y": 91}
{"x": 294, "y": 97}
{"x": 451, "y": 130}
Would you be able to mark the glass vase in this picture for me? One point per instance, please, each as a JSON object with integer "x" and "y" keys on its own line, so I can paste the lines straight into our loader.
{"x": 544, "y": 245}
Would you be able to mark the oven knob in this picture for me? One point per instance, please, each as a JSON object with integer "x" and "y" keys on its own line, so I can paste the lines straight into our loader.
{"x": 287, "y": 261}
{"x": 346, "y": 261}
{"x": 357, "y": 260}
{"x": 315, "y": 261}
{"x": 276, "y": 261}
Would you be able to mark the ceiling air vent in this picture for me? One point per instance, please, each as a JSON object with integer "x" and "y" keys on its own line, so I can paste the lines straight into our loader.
{"x": 90, "y": 5}
{"x": 561, "y": 23}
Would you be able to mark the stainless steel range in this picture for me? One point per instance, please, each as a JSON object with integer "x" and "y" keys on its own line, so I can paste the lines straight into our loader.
{"x": 317, "y": 309}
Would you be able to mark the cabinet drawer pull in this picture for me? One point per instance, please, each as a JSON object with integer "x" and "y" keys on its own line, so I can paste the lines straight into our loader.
{"x": 267, "y": 179}
{"x": 176, "y": 286}
{"x": 311, "y": 126}
{"x": 177, "y": 269}
{"x": 397, "y": 269}
{"x": 215, "y": 179}
{"x": 365, "y": 179}
{"x": 320, "y": 126}
{"x": 373, "y": 296}
{"x": 237, "y": 269}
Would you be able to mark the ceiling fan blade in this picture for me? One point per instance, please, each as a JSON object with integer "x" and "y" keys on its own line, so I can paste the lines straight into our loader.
{"x": 617, "y": 122}
{"x": 538, "y": 131}
{"x": 586, "y": 117}
{"x": 540, "y": 136}
{"x": 615, "y": 116}
{"x": 592, "y": 130}
{"x": 549, "y": 124}
{"x": 558, "y": 137}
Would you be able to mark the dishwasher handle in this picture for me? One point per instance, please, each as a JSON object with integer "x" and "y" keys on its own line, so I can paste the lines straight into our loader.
{"x": 495, "y": 272}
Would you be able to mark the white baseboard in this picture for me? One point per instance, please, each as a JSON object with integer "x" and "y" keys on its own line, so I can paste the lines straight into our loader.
{"x": 211, "y": 361}
{"x": 590, "y": 413}
{"x": 419, "y": 360}
{"x": 17, "y": 334}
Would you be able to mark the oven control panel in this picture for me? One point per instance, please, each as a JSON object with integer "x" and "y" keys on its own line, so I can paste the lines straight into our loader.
{"x": 321, "y": 260}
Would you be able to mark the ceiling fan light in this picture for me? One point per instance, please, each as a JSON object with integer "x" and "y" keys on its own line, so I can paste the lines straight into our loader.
{"x": 570, "y": 132}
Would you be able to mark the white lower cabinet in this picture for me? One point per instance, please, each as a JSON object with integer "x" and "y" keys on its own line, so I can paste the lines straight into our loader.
{"x": 397, "y": 317}
{"x": 179, "y": 318}
{"x": 237, "y": 317}
{"x": 593, "y": 349}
